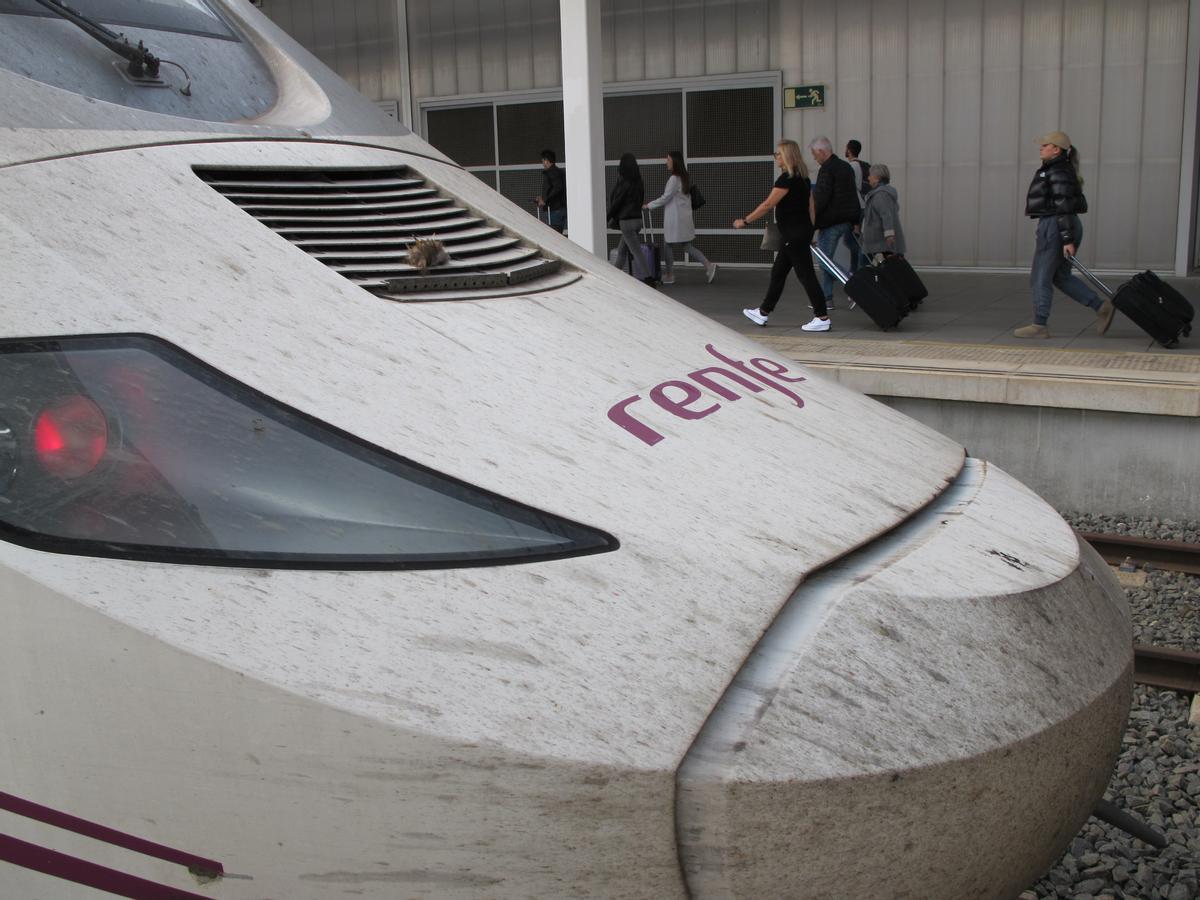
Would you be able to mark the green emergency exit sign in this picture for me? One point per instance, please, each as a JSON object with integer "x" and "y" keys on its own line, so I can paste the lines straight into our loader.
{"x": 805, "y": 96}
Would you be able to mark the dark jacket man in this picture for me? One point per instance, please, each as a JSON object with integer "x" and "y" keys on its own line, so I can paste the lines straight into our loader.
{"x": 835, "y": 194}
{"x": 554, "y": 187}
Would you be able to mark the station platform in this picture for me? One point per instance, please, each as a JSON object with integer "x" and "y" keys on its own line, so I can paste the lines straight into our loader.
{"x": 1095, "y": 424}
{"x": 959, "y": 346}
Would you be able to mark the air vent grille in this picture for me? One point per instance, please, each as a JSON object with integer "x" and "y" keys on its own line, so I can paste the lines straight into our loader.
{"x": 362, "y": 222}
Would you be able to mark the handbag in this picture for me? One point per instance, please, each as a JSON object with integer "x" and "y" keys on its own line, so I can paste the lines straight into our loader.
{"x": 772, "y": 237}
{"x": 697, "y": 198}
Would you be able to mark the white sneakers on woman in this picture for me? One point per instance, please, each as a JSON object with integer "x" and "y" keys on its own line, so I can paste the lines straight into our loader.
{"x": 817, "y": 324}
{"x": 755, "y": 316}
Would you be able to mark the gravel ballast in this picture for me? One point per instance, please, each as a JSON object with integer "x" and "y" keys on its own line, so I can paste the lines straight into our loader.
{"x": 1157, "y": 777}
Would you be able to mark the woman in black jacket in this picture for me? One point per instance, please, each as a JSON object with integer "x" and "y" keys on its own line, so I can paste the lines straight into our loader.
{"x": 1056, "y": 199}
{"x": 625, "y": 212}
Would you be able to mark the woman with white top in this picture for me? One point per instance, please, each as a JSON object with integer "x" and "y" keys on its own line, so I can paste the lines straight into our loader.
{"x": 678, "y": 228}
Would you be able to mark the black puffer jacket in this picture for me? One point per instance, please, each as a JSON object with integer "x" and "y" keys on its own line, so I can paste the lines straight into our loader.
{"x": 835, "y": 195}
{"x": 1055, "y": 191}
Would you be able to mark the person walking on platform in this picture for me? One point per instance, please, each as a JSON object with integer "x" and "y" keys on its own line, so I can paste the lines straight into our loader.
{"x": 1055, "y": 200}
{"x": 679, "y": 229}
{"x": 835, "y": 199}
{"x": 625, "y": 213}
{"x": 861, "y": 169}
{"x": 554, "y": 192}
{"x": 881, "y": 231}
{"x": 791, "y": 200}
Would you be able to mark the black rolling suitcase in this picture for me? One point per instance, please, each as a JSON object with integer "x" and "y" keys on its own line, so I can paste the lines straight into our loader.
{"x": 900, "y": 275}
{"x": 867, "y": 289}
{"x": 1155, "y": 307}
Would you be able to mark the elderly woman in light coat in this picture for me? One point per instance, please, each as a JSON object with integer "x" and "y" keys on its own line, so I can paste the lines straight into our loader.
{"x": 881, "y": 231}
{"x": 678, "y": 227}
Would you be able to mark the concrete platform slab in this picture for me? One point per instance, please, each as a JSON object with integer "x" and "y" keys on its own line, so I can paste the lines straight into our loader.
{"x": 962, "y": 308}
{"x": 1093, "y": 423}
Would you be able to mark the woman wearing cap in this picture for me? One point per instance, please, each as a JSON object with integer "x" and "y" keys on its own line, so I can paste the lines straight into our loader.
{"x": 1056, "y": 199}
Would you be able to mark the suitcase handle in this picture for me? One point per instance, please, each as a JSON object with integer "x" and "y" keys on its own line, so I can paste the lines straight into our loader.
{"x": 829, "y": 265}
{"x": 648, "y": 223}
{"x": 1089, "y": 275}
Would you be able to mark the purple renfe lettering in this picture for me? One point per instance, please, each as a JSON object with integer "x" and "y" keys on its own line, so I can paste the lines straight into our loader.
{"x": 679, "y": 407}
{"x": 773, "y": 368}
{"x": 741, "y": 366}
{"x": 701, "y": 376}
{"x": 619, "y": 414}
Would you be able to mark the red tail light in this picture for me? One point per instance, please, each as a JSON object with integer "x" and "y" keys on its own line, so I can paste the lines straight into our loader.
{"x": 70, "y": 437}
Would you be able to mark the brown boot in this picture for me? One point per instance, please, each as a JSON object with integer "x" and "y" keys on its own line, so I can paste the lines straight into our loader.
{"x": 1032, "y": 331}
{"x": 1104, "y": 316}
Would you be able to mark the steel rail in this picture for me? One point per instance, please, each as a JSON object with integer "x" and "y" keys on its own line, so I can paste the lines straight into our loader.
{"x": 1174, "y": 556}
{"x": 1166, "y": 668}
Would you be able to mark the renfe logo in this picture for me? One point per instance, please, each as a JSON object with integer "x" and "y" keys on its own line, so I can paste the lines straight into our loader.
{"x": 688, "y": 394}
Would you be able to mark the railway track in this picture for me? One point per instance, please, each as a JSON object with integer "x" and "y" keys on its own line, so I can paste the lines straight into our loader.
{"x": 1167, "y": 668}
{"x": 1118, "y": 549}
{"x": 1162, "y": 667}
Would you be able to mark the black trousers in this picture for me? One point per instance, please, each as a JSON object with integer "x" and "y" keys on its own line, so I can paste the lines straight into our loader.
{"x": 795, "y": 256}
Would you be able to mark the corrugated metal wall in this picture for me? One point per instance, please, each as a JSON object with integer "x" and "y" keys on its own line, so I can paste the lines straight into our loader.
{"x": 355, "y": 38}
{"x": 949, "y": 93}
{"x": 482, "y": 46}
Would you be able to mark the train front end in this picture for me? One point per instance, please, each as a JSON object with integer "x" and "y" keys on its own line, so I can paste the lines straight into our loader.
{"x": 322, "y": 575}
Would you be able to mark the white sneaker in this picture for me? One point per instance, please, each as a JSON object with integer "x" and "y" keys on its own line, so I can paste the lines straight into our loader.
{"x": 668, "y": 279}
{"x": 710, "y": 272}
{"x": 758, "y": 318}
{"x": 829, "y": 303}
{"x": 816, "y": 324}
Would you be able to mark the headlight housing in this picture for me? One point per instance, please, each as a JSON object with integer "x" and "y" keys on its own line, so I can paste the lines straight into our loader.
{"x": 125, "y": 446}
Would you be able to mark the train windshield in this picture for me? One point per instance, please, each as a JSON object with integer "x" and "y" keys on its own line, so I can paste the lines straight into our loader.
{"x": 187, "y": 16}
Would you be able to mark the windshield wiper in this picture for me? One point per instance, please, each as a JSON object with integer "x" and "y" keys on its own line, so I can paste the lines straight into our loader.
{"x": 143, "y": 64}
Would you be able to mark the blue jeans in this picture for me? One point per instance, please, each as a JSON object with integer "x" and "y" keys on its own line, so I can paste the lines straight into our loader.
{"x": 1053, "y": 270}
{"x": 828, "y": 239}
{"x": 558, "y": 219}
{"x": 858, "y": 259}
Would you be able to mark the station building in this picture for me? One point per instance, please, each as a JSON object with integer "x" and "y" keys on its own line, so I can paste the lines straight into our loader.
{"x": 950, "y": 94}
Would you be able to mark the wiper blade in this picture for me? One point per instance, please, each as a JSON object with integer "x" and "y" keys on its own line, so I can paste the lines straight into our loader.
{"x": 142, "y": 63}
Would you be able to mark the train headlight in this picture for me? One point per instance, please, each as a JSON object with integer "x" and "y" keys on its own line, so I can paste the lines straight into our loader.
{"x": 125, "y": 446}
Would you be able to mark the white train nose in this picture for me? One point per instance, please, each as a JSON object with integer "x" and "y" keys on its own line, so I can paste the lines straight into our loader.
{"x": 897, "y": 717}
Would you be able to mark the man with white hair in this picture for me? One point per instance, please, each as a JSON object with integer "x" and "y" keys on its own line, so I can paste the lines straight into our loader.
{"x": 835, "y": 203}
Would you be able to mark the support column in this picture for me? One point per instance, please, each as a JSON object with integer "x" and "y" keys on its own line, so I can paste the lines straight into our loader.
{"x": 1187, "y": 234}
{"x": 583, "y": 123}
{"x": 404, "y": 88}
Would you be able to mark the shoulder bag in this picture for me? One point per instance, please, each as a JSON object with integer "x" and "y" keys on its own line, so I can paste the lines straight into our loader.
{"x": 772, "y": 236}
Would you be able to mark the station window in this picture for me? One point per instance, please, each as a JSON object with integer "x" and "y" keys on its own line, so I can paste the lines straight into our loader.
{"x": 727, "y": 135}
